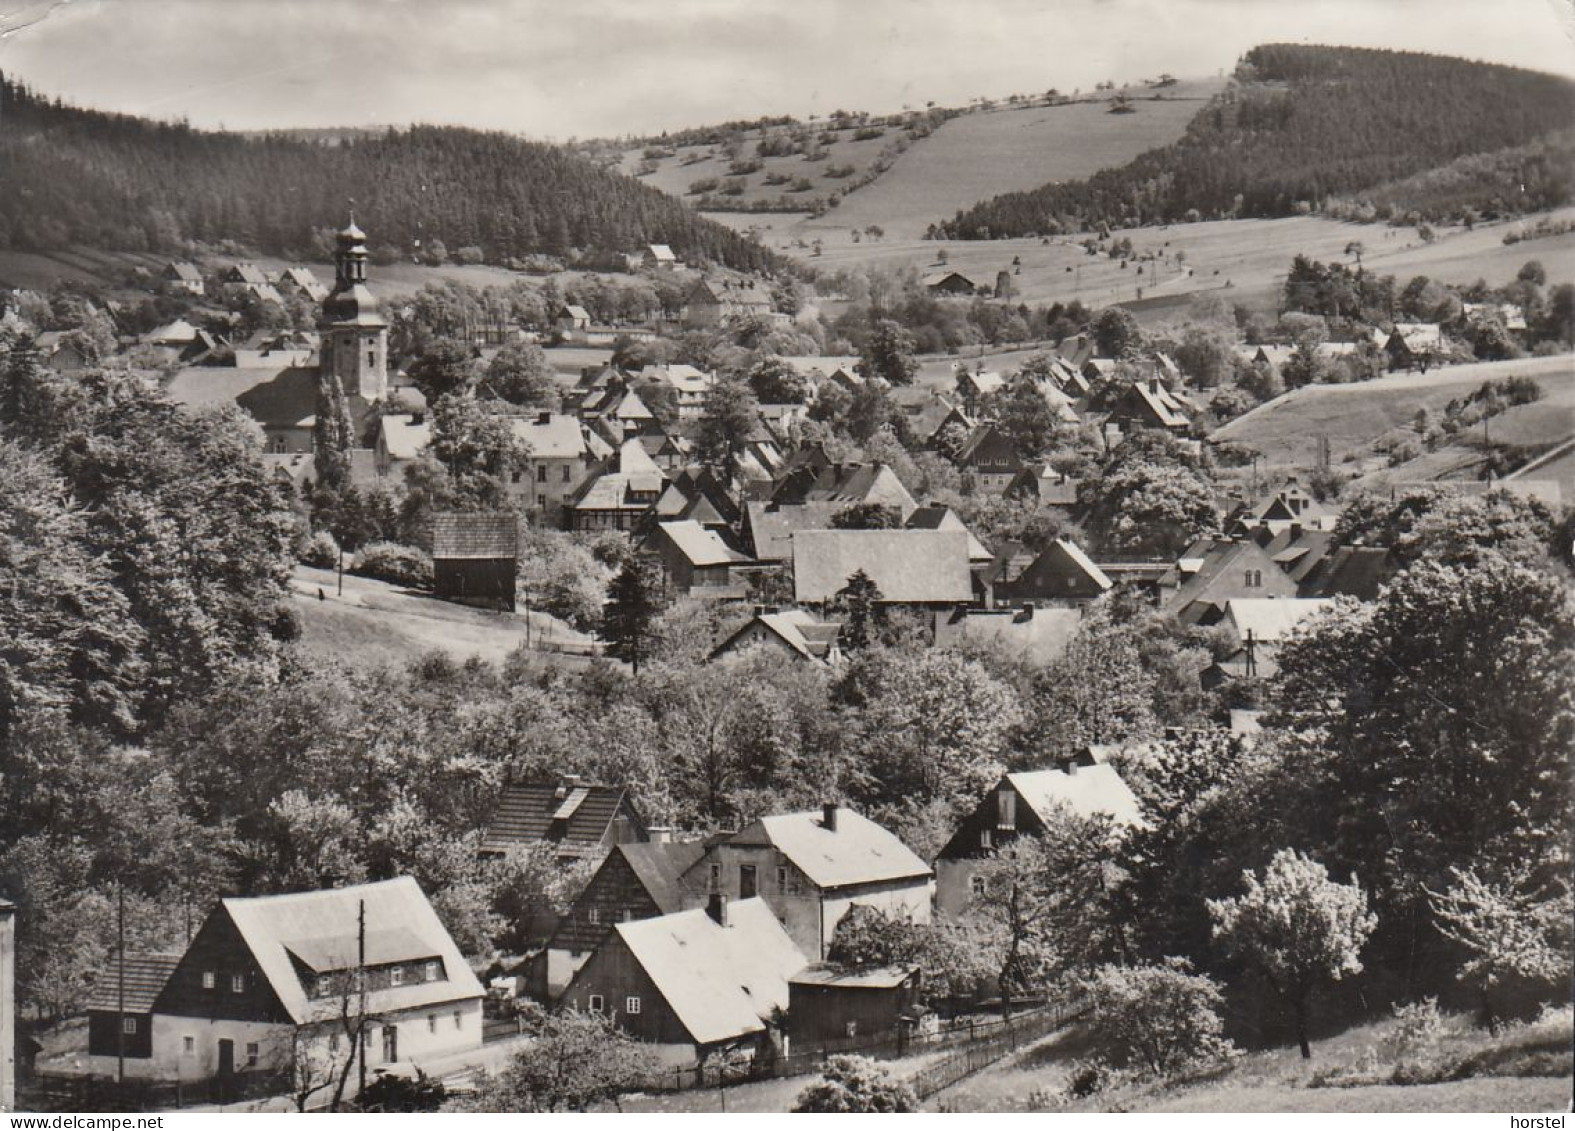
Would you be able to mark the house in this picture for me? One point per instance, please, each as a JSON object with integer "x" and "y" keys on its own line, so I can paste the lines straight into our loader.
{"x": 1042, "y": 484}
{"x": 1256, "y": 628}
{"x": 1212, "y": 571}
{"x": 909, "y": 567}
{"x": 792, "y": 633}
{"x": 1287, "y": 507}
{"x": 991, "y": 458}
{"x": 696, "y": 562}
{"x": 810, "y": 868}
{"x": 400, "y": 439}
{"x": 712, "y": 304}
{"x": 659, "y": 257}
{"x": 562, "y": 457}
{"x": 1348, "y": 571}
{"x": 949, "y": 283}
{"x": 64, "y": 351}
{"x": 1062, "y": 575}
{"x": 620, "y": 497}
{"x": 582, "y": 820}
{"x": 282, "y": 399}
{"x": 266, "y": 983}
{"x": 243, "y": 276}
{"x": 691, "y": 387}
{"x": 120, "y": 1013}
{"x": 1414, "y": 345}
{"x": 830, "y": 1007}
{"x": 180, "y": 277}
{"x": 1148, "y": 404}
{"x": 845, "y": 484}
{"x": 299, "y": 282}
{"x": 692, "y": 985}
{"x": 1019, "y": 805}
{"x": 571, "y": 317}
{"x": 938, "y": 517}
{"x": 974, "y": 387}
{"x": 769, "y": 528}
{"x": 1034, "y": 635}
{"x": 276, "y": 348}
{"x": 475, "y": 558}
{"x": 635, "y": 881}
{"x": 926, "y": 412}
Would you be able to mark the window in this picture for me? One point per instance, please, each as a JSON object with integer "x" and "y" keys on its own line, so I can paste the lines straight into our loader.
{"x": 237, "y": 983}
{"x": 984, "y": 838}
{"x": 541, "y": 473}
{"x": 128, "y": 1025}
{"x": 434, "y": 971}
{"x": 595, "y": 1003}
{"x": 541, "y": 502}
{"x": 976, "y": 884}
{"x": 371, "y": 359}
{"x": 459, "y": 1019}
{"x": 252, "y": 1052}
{"x": 631, "y": 1005}
{"x": 322, "y": 987}
{"x": 716, "y": 875}
{"x": 594, "y": 915}
{"x": 1006, "y": 809}
{"x": 781, "y": 879}
{"x": 746, "y": 881}
{"x": 432, "y": 1022}
{"x": 333, "y": 1043}
{"x": 188, "y": 1046}
{"x": 210, "y": 980}
{"x": 396, "y": 976}
{"x": 568, "y": 474}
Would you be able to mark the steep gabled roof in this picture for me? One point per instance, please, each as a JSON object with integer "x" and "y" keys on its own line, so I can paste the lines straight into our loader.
{"x": 908, "y": 566}
{"x": 856, "y": 852}
{"x": 722, "y": 983}
{"x": 800, "y": 631}
{"x": 570, "y": 814}
{"x": 1270, "y": 619}
{"x": 551, "y": 435}
{"x": 325, "y": 925}
{"x": 937, "y": 517}
{"x": 660, "y": 867}
{"x": 146, "y": 975}
{"x": 771, "y": 527}
{"x": 700, "y": 546}
{"x": 460, "y": 536}
{"x": 1086, "y": 790}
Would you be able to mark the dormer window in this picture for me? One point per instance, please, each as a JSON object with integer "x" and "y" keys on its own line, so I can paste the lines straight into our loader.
{"x": 434, "y": 971}
{"x": 396, "y": 976}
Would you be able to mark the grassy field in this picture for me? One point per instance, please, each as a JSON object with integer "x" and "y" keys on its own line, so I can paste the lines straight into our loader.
{"x": 374, "y": 624}
{"x": 1287, "y": 429}
{"x": 1243, "y": 261}
{"x": 1524, "y": 1069}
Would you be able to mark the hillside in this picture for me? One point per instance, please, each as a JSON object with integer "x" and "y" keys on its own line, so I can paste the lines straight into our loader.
{"x": 84, "y": 178}
{"x": 917, "y": 167}
{"x": 1300, "y": 124}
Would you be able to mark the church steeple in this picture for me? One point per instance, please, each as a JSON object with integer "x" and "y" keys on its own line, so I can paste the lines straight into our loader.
{"x": 355, "y": 337}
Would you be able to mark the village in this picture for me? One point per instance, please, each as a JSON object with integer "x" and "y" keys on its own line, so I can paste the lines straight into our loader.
{"x": 641, "y": 662}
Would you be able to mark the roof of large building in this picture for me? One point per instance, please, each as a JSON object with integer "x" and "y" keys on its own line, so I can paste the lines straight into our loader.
{"x": 700, "y": 546}
{"x": 1086, "y": 790}
{"x": 146, "y": 975}
{"x": 938, "y": 517}
{"x": 772, "y": 527}
{"x": 551, "y": 435}
{"x": 856, "y": 852}
{"x": 473, "y": 536}
{"x": 721, "y": 982}
{"x": 320, "y": 930}
{"x": 908, "y": 566}
{"x": 1271, "y": 619}
{"x": 403, "y": 437}
{"x": 281, "y": 397}
{"x": 567, "y": 813}
{"x": 1037, "y": 635}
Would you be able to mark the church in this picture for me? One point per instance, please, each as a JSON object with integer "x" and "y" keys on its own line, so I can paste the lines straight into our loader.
{"x": 282, "y": 396}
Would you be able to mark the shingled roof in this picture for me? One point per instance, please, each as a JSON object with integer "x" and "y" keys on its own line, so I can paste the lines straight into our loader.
{"x": 146, "y": 975}
{"x": 568, "y": 813}
{"x": 908, "y": 566}
{"x": 856, "y": 851}
{"x": 475, "y": 536}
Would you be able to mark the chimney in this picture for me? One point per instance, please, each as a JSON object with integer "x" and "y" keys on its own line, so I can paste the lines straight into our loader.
{"x": 716, "y": 907}
{"x": 544, "y": 418}
{"x": 661, "y": 834}
{"x": 828, "y": 816}
{"x": 1071, "y": 767}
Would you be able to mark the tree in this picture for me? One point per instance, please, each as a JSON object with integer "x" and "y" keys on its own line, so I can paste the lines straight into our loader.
{"x": 775, "y": 381}
{"x": 630, "y": 609}
{"x": 1022, "y": 412}
{"x": 1533, "y": 272}
{"x": 1148, "y": 499}
{"x": 1116, "y": 333}
{"x": 1162, "y": 1017}
{"x": 520, "y": 374}
{"x": 954, "y": 958}
{"x": 888, "y": 354}
{"x": 333, "y": 436}
{"x": 479, "y": 449}
{"x": 444, "y": 368}
{"x": 866, "y": 516}
{"x": 1299, "y": 926}
{"x": 856, "y": 1084}
{"x": 1514, "y": 929}
{"x": 859, "y": 601}
{"x": 731, "y": 417}
{"x": 575, "y": 1060}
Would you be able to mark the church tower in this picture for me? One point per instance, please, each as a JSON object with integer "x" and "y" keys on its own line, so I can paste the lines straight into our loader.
{"x": 355, "y": 337}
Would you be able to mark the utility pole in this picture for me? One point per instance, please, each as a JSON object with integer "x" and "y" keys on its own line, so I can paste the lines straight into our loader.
{"x": 341, "y": 590}
{"x": 360, "y": 977}
{"x": 120, "y": 994}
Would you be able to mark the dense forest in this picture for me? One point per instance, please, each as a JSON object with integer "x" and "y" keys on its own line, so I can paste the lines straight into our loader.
{"x": 1300, "y": 125}
{"x": 75, "y": 176}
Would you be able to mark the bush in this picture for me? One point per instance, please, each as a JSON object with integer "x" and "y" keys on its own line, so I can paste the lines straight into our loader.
{"x": 321, "y": 551}
{"x": 857, "y": 1084}
{"x": 399, "y": 565}
{"x": 1163, "y": 1018}
{"x": 703, "y": 185}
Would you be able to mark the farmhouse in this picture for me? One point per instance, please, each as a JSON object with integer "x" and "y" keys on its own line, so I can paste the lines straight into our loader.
{"x": 844, "y": 484}
{"x": 810, "y": 868}
{"x": 696, "y": 561}
{"x": 180, "y": 277}
{"x": 1415, "y": 344}
{"x": 620, "y": 497}
{"x": 692, "y": 984}
{"x": 792, "y": 633}
{"x": 949, "y": 283}
{"x": 300, "y": 282}
{"x": 991, "y": 458}
{"x": 265, "y": 986}
{"x": 475, "y": 558}
{"x": 1213, "y": 571}
{"x": 1148, "y": 404}
{"x": 1062, "y": 575}
{"x": 660, "y": 257}
{"x": 1019, "y": 805}
{"x": 909, "y": 567}
{"x": 1036, "y": 636}
{"x": 580, "y": 819}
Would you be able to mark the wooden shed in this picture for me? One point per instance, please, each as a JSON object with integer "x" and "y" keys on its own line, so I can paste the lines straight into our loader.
{"x": 475, "y": 558}
{"x": 830, "y": 1007}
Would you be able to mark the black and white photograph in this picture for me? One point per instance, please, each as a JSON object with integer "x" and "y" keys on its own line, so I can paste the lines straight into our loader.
{"x": 786, "y": 556}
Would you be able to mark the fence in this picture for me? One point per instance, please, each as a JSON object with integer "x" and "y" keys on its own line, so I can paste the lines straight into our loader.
{"x": 55, "y": 1093}
{"x": 980, "y": 1043}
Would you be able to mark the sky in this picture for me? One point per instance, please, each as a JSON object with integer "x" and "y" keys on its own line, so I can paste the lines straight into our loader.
{"x": 605, "y": 68}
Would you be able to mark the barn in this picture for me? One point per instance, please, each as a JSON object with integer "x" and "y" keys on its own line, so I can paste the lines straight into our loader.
{"x": 475, "y": 558}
